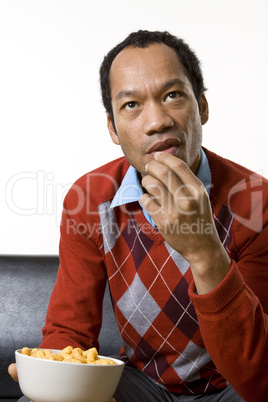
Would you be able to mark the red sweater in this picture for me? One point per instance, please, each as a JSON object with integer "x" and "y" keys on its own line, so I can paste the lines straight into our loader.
{"x": 187, "y": 343}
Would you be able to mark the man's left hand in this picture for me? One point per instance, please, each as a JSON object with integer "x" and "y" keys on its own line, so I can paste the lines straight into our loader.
{"x": 180, "y": 207}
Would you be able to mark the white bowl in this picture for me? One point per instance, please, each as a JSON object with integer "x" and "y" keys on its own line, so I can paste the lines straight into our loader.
{"x": 53, "y": 381}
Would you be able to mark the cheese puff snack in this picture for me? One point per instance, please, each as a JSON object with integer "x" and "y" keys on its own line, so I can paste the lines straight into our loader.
{"x": 69, "y": 355}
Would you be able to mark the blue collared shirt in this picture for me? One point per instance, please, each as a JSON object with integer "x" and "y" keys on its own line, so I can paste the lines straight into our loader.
{"x": 131, "y": 189}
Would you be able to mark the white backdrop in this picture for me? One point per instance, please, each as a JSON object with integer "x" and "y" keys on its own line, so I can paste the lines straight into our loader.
{"x": 52, "y": 122}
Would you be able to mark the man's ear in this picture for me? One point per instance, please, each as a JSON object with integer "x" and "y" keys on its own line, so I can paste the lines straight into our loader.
{"x": 112, "y": 130}
{"x": 204, "y": 112}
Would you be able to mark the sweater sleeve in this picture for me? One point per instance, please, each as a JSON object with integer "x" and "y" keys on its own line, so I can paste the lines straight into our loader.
{"x": 74, "y": 313}
{"x": 234, "y": 323}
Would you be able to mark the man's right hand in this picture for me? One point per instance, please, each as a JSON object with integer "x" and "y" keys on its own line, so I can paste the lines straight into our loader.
{"x": 12, "y": 369}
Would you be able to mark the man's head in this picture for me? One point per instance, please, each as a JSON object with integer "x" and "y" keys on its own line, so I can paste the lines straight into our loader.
{"x": 142, "y": 39}
{"x": 154, "y": 103}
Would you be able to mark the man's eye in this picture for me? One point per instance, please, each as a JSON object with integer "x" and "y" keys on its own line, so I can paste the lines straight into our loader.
{"x": 172, "y": 95}
{"x": 130, "y": 105}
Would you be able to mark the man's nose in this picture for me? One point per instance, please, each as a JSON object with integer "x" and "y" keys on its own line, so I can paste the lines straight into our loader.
{"x": 156, "y": 118}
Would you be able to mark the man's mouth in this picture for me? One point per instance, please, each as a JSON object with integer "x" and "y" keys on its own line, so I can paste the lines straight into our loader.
{"x": 170, "y": 146}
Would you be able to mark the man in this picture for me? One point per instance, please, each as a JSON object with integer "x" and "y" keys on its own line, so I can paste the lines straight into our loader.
{"x": 180, "y": 233}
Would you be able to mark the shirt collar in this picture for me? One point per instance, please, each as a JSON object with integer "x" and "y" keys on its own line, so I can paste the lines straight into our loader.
{"x": 131, "y": 189}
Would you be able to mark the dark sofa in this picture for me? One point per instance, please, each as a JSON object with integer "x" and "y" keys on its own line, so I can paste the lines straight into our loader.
{"x": 26, "y": 283}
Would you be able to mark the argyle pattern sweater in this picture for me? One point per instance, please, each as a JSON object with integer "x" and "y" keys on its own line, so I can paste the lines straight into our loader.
{"x": 186, "y": 343}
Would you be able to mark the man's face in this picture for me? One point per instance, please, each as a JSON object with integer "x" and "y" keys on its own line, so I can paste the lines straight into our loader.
{"x": 154, "y": 107}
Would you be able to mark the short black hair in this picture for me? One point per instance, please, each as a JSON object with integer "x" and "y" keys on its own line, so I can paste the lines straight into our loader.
{"x": 142, "y": 39}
